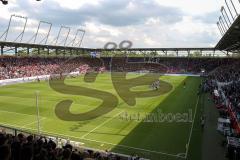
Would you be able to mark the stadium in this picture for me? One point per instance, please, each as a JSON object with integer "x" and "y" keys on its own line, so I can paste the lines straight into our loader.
{"x": 60, "y": 100}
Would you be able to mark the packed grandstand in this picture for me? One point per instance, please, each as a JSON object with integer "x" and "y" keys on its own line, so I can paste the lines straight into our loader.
{"x": 138, "y": 106}
{"x": 218, "y": 72}
{"x": 20, "y": 67}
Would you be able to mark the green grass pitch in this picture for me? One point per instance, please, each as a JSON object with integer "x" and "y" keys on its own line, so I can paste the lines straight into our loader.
{"x": 111, "y": 131}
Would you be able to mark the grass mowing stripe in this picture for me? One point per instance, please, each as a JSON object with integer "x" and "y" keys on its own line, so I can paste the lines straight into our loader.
{"x": 196, "y": 107}
{"x": 129, "y": 138}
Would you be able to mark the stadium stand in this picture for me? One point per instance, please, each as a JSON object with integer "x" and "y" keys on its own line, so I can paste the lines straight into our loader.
{"x": 13, "y": 67}
{"x": 22, "y": 147}
{"x": 224, "y": 85}
{"x": 221, "y": 75}
{"x": 221, "y": 80}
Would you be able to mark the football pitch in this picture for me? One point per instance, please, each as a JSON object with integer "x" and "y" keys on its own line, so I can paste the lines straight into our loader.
{"x": 126, "y": 129}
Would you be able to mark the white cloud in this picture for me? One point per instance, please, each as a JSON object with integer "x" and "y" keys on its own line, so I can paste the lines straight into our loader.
{"x": 149, "y": 41}
{"x": 194, "y": 7}
{"x": 76, "y": 4}
{"x": 148, "y": 23}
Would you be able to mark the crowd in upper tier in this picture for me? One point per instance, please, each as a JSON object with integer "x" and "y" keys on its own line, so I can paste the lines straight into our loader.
{"x": 12, "y": 67}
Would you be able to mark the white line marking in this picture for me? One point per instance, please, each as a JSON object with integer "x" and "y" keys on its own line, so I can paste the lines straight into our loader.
{"x": 102, "y": 124}
{"x": 188, "y": 143}
{"x": 34, "y": 122}
{"x": 182, "y": 155}
{"x": 66, "y": 136}
{"x": 141, "y": 149}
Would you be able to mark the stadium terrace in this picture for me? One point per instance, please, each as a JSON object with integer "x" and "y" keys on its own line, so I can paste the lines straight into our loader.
{"x": 60, "y": 100}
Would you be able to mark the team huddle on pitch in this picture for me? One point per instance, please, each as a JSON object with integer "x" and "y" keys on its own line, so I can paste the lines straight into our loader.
{"x": 155, "y": 85}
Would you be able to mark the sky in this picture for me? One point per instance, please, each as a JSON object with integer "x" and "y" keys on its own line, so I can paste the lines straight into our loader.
{"x": 147, "y": 23}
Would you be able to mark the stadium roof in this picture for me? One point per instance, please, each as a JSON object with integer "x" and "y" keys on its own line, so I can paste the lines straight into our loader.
{"x": 43, "y": 46}
{"x": 231, "y": 39}
{"x": 30, "y": 45}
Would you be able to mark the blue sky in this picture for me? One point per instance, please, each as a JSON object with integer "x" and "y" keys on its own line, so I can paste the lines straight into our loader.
{"x": 147, "y": 23}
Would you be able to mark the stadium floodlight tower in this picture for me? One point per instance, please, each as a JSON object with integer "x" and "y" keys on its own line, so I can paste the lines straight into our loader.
{"x": 222, "y": 24}
{"x": 65, "y": 38}
{"x": 80, "y": 42}
{"x": 220, "y": 28}
{"x": 75, "y": 42}
{"x": 230, "y": 9}
{"x": 9, "y": 25}
{"x": 223, "y": 11}
{"x": 34, "y": 38}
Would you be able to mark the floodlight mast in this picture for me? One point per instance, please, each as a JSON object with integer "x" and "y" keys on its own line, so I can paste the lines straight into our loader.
{"x": 9, "y": 25}
{"x": 229, "y": 10}
{"x": 234, "y": 7}
{"x": 63, "y": 27}
{"x": 80, "y": 43}
{"x": 225, "y": 19}
{"x": 48, "y": 32}
{"x": 220, "y": 29}
{"x": 222, "y": 24}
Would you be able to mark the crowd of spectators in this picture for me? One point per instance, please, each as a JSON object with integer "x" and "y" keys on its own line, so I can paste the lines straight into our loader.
{"x": 227, "y": 72}
{"x": 224, "y": 84}
{"x": 12, "y": 67}
{"x": 183, "y": 65}
{"x": 21, "y": 147}
{"x": 19, "y": 67}
{"x": 232, "y": 93}
{"x": 223, "y": 71}
{"x": 228, "y": 78}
